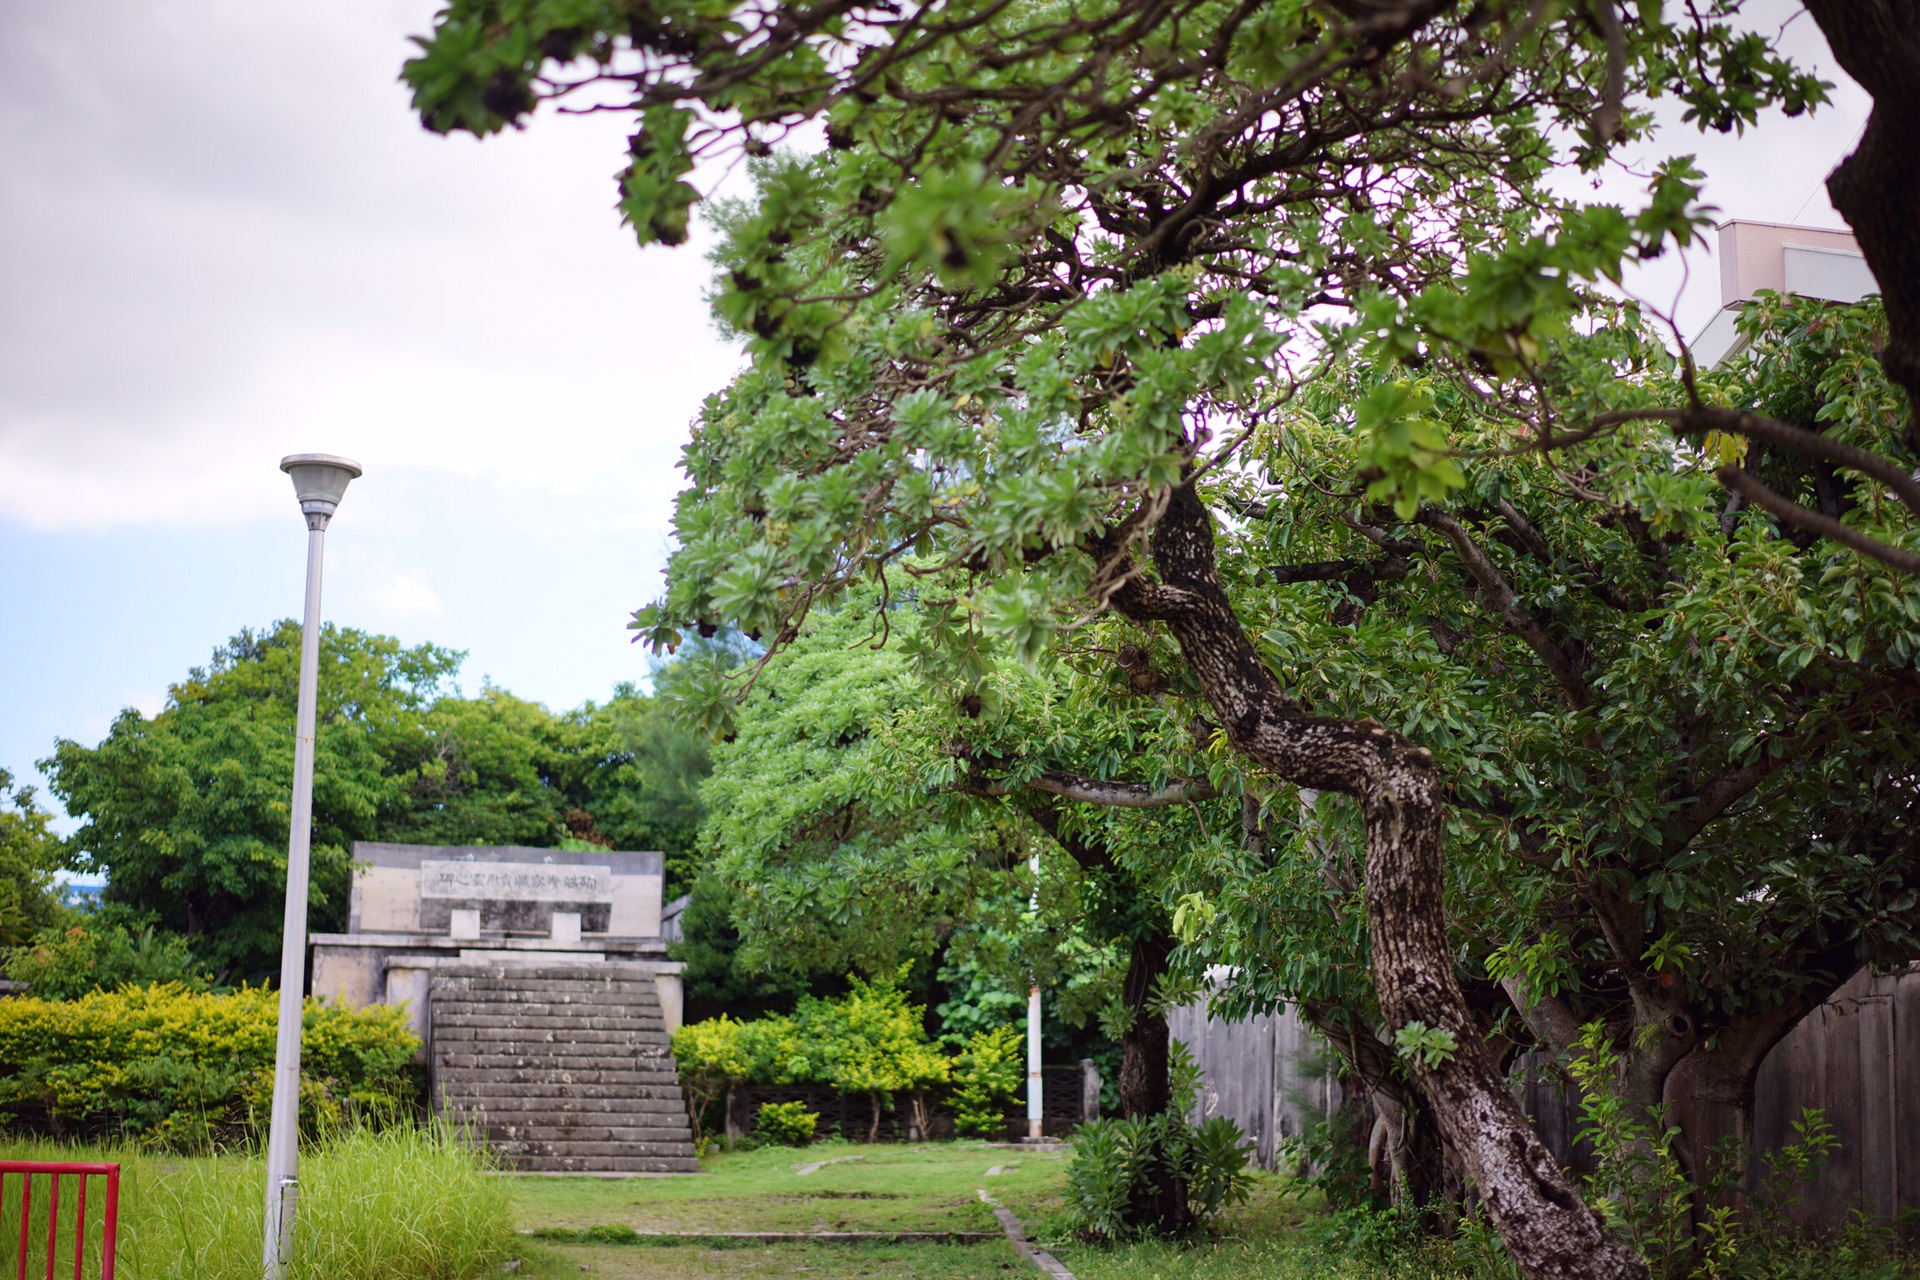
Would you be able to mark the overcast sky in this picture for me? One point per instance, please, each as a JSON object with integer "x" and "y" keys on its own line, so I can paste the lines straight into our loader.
{"x": 223, "y": 238}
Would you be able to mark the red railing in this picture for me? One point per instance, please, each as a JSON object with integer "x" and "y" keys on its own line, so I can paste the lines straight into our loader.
{"x": 54, "y": 1172}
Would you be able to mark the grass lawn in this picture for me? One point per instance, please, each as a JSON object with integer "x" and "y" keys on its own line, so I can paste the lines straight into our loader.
{"x": 544, "y": 1261}
{"x": 857, "y": 1187}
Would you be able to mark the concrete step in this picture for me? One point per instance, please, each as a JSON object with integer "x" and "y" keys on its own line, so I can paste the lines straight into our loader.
{"x": 642, "y": 999}
{"x": 502, "y": 1039}
{"x": 673, "y": 1109}
{"x": 514, "y": 1149}
{"x": 547, "y": 1008}
{"x": 607, "y": 1164}
{"x": 486, "y": 1057}
{"x": 640, "y": 1139}
{"x": 510, "y": 1019}
{"x": 558, "y": 1081}
{"x": 571, "y": 988}
{"x": 530, "y": 1094}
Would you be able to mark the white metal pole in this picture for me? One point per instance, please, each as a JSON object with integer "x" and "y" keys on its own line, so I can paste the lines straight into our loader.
{"x": 283, "y": 1135}
{"x": 1035, "y": 1102}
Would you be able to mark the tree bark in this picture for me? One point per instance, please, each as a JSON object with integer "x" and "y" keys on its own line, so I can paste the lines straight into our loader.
{"x": 1145, "y": 1087}
{"x": 1877, "y": 188}
{"x": 1547, "y": 1229}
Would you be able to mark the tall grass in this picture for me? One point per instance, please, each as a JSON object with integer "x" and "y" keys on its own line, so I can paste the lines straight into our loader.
{"x": 395, "y": 1204}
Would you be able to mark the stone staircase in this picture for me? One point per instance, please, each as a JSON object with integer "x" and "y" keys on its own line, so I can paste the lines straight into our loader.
{"x": 562, "y": 1069}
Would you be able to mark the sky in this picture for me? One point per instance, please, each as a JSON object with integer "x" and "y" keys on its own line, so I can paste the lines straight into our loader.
{"x": 224, "y": 238}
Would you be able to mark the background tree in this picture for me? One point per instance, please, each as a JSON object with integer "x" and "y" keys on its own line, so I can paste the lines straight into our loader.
{"x": 185, "y": 813}
{"x": 29, "y": 855}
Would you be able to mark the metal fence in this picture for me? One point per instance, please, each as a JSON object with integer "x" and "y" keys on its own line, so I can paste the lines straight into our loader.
{"x": 32, "y": 1213}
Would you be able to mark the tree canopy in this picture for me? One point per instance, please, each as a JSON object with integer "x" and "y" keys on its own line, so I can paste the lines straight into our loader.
{"x": 1169, "y": 311}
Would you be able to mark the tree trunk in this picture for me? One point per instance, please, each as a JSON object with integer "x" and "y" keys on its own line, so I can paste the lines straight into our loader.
{"x": 1877, "y": 188}
{"x": 1547, "y": 1229}
{"x": 873, "y": 1134}
{"x": 1145, "y": 1089}
{"x": 1404, "y": 1156}
{"x": 1144, "y": 1086}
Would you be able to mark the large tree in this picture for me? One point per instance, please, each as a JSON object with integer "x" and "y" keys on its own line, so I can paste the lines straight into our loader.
{"x": 1053, "y": 281}
{"x": 186, "y": 812}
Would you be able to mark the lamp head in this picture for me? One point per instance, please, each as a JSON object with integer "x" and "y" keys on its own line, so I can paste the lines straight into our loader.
{"x": 319, "y": 482}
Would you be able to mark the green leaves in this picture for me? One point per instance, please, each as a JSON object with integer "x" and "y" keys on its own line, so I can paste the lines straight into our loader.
{"x": 1429, "y": 1047}
{"x": 655, "y": 200}
{"x": 1403, "y": 449}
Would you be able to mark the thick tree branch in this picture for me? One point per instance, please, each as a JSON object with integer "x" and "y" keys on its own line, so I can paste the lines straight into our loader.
{"x": 1549, "y": 1017}
{"x": 1508, "y": 605}
{"x": 1540, "y": 1217}
{"x": 1877, "y": 188}
{"x": 1808, "y": 444}
{"x": 1123, "y": 795}
{"x": 1749, "y": 486}
{"x": 1097, "y": 791}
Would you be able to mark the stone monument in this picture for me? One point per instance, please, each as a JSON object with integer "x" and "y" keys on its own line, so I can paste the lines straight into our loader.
{"x": 538, "y": 983}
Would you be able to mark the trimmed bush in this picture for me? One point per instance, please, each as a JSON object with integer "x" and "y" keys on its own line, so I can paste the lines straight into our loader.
{"x": 185, "y": 1070}
{"x": 788, "y": 1123}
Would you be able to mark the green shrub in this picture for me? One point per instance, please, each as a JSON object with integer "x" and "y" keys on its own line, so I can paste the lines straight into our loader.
{"x": 61, "y": 964}
{"x": 186, "y": 1070}
{"x": 1113, "y": 1159}
{"x": 870, "y": 1041}
{"x": 788, "y": 1123}
{"x": 987, "y": 1077}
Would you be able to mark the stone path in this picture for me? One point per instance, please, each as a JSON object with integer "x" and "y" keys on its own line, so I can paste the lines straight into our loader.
{"x": 1016, "y": 1233}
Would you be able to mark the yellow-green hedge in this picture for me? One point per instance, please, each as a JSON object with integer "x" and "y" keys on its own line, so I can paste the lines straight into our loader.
{"x": 183, "y": 1069}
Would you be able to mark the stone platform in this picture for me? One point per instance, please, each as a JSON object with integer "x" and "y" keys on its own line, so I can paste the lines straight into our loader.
{"x": 539, "y": 986}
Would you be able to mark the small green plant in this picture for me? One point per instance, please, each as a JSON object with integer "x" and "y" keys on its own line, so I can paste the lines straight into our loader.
{"x": 987, "y": 1077}
{"x": 1109, "y": 1160}
{"x": 1114, "y": 1158}
{"x": 1429, "y": 1046}
{"x": 1638, "y": 1184}
{"x": 1330, "y": 1156}
{"x": 788, "y": 1123}
{"x": 1641, "y": 1188}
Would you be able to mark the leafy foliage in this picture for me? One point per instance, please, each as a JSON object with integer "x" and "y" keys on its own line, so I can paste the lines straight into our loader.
{"x": 62, "y": 964}
{"x": 1113, "y": 1162}
{"x": 186, "y": 813}
{"x": 788, "y": 1123}
{"x": 1268, "y": 328}
{"x": 29, "y": 854}
{"x": 987, "y": 1077}
{"x": 182, "y": 1069}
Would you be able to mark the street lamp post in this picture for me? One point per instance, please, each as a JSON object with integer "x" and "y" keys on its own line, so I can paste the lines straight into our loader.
{"x": 1036, "y": 1108}
{"x": 319, "y": 481}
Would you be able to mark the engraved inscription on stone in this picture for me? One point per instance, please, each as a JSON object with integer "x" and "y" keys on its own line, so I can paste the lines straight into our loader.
{"x": 515, "y": 882}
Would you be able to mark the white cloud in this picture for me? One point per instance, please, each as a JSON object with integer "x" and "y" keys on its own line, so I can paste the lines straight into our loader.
{"x": 404, "y": 595}
{"x": 218, "y": 253}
